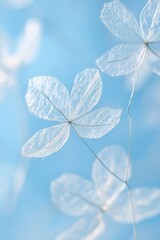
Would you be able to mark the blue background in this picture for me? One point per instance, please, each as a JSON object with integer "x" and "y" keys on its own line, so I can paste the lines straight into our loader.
{"x": 73, "y": 38}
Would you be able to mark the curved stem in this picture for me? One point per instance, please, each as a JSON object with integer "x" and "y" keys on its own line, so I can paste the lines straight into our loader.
{"x": 95, "y": 155}
{"x": 132, "y": 210}
{"x": 130, "y": 123}
{"x": 113, "y": 174}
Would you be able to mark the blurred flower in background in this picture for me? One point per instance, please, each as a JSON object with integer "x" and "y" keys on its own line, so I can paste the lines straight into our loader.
{"x": 15, "y": 56}
{"x": 18, "y": 3}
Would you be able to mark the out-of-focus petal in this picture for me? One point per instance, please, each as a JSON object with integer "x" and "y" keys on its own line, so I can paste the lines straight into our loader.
{"x": 27, "y": 47}
{"x": 145, "y": 203}
{"x": 74, "y": 195}
{"x": 116, "y": 159}
{"x": 87, "y": 228}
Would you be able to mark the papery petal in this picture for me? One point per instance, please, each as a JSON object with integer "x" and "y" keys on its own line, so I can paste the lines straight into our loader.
{"x": 87, "y": 228}
{"x": 97, "y": 123}
{"x": 145, "y": 202}
{"x": 150, "y": 20}
{"x": 116, "y": 160}
{"x": 29, "y": 43}
{"x": 46, "y": 141}
{"x": 155, "y": 65}
{"x": 48, "y": 98}
{"x": 154, "y": 58}
{"x": 86, "y": 92}
{"x": 74, "y": 195}
{"x": 120, "y": 60}
{"x": 121, "y": 22}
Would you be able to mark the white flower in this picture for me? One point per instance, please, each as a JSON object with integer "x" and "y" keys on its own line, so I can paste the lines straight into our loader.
{"x": 102, "y": 195}
{"x": 49, "y": 99}
{"x": 142, "y": 42}
{"x": 25, "y": 51}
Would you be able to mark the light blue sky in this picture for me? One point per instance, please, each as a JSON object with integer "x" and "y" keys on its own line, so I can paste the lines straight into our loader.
{"x": 73, "y": 37}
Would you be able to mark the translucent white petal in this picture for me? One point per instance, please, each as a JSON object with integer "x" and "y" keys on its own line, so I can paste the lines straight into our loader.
{"x": 18, "y": 3}
{"x": 48, "y": 98}
{"x": 154, "y": 57}
{"x": 155, "y": 65}
{"x": 97, "y": 123}
{"x": 74, "y": 195}
{"x": 29, "y": 42}
{"x": 150, "y": 20}
{"x": 120, "y": 60}
{"x": 146, "y": 205}
{"x": 87, "y": 228}
{"x": 46, "y": 141}
{"x": 120, "y": 21}
{"x": 86, "y": 92}
{"x": 116, "y": 160}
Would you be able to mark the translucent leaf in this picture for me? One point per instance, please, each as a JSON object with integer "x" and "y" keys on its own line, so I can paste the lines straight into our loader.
{"x": 150, "y": 20}
{"x": 120, "y": 22}
{"x": 87, "y": 228}
{"x": 120, "y": 60}
{"x": 116, "y": 160}
{"x": 48, "y": 98}
{"x": 145, "y": 201}
{"x": 86, "y": 92}
{"x": 97, "y": 123}
{"x": 155, "y": 65}
{"x": 154, "y": 57}
{"x": 30, "y": 39}
{"x": 46, "y": 141}
{"x": 74, "y": 195}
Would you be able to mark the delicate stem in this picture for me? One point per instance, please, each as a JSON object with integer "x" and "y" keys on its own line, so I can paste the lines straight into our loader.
{"x": 130, "y": 141}
{"x": 86, "y": 144}
{"x": 130, "y": 123}
{"x": 113, "y": 174}
{"x": 132, "y": 209}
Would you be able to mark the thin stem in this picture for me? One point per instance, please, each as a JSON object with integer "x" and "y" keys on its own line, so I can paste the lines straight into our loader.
{"x": 83, "y": 139}
{"x": 86, "y": 144}
{"x": 130, "y": 123}
{"x": 133, "y": 212}
{"x": 134, "y": 78}
{"x": 130, "y": 150}
{"x": 113, "y": 174}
